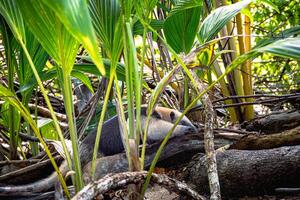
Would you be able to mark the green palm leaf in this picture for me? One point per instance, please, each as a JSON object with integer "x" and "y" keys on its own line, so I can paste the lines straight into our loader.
{"x": 76, "y": 18}
{"x": 39, "y": 57}
{"x": 184, "y": 5}
{"x": 10, "y": 11}
{"x": 51, "y": 33}
{"x": 217, "y": 19}
{"x": 105, "y": 16}
{"x": 181, "y": 27}
{"x": 289, "y": 48}
{"x": 284, "y": 34}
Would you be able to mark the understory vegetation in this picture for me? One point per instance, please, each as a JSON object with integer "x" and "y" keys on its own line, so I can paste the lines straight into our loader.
{"x": 68, "y": 66}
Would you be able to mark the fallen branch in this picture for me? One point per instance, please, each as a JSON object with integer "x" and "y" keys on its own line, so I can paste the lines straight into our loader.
{"x": 44, "y": 112}
{"x": 244, "y": 172}
{"x": 258, "y": 141}
{"x": 27, "y": 170}
{"x": 275, "y": 123}
{"x": 117, "y": 181}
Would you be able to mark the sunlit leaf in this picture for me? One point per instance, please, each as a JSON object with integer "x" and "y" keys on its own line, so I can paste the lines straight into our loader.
{"x": 284, "y": 34}
{"x": 51, "y": 33}
{"x": 289, "y": 48}
{"x": 10, "y": 11}
{"x": 182, "y": 5}
{"x": 247, "y": 12}
{"x": 75, "y": 16}
{"x": 180, "y": 29}
{"x": 83, "y": 78}
{"x": 218, "y": 18}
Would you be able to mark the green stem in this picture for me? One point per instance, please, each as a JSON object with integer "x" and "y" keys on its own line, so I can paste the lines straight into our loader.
{"x": 69, "y": 106}
{"x": 123, "y": 125}
{"x": 155, "y": 95}
{"x": 38, "y": 79}
{"x": 186, "y": 92}
{"x": 129, "y": 82}
{"x": 231, "y": 67}
{"x": 100, "y": 124}
{"x": 9, "y": 62}
{"x": 34, "y": 145}
{"x": 141, "y": 81}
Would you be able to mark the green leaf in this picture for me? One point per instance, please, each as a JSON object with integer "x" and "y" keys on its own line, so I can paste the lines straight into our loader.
{"x": 39, "y": 57}
{"x": 51, "y": 33}
{"x": 44, "y": 75}
{"x": 284, "y": 34}
{"x": 138, "y": 28}
{"x": 180, "y": 29}
{"x": 75, "y": 16}
{"x": 182, "y": 5}
{"x": 10, "y": 11}
{"x": 218, "y": 18}
{"x": 83, "y": 78}
{"x": 105, "y": 17}
{"x": 145, "y": 7}
{"x": 5, "y": 116}
{"x": 91, "y": 68}
{"x": 83, "y": 68}
{"x": 246, "y": 11}
{"x": 47, "y": 128}
{"x": 289, "y": 47}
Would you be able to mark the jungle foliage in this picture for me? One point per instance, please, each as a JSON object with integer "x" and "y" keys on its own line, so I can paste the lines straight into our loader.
{"x": 136, "y": 52}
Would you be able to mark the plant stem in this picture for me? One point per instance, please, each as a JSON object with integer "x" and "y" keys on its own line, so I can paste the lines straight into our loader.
{"x": 69, "y": 106}
{"x": 231, "y": 67}
{"x": 38, "y": 79}
{"x": 100, "y": 124}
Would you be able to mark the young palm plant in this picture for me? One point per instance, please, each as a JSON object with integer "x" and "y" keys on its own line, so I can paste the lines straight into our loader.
{"x": 58, "y": 28}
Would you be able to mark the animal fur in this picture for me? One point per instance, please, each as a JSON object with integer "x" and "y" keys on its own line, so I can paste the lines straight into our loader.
{"x": 161, "y": 122}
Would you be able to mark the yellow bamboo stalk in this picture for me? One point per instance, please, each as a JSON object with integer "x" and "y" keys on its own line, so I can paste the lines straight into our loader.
{"x": 238, "y": 80}
{"x": 225, "y": 92}
{"x": 249, "y": 112}
{"x": 237, "y": 76}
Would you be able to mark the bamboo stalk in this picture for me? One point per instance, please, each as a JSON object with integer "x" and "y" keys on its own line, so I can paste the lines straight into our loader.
{"x": 248, "y": 87}
{"x": 248, "y": 112}
{"x": 238, "y": 89}
{"x": 225, "y": 92}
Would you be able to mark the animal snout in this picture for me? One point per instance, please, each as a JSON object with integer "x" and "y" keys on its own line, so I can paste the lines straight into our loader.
{"x": 191, "y": 130}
